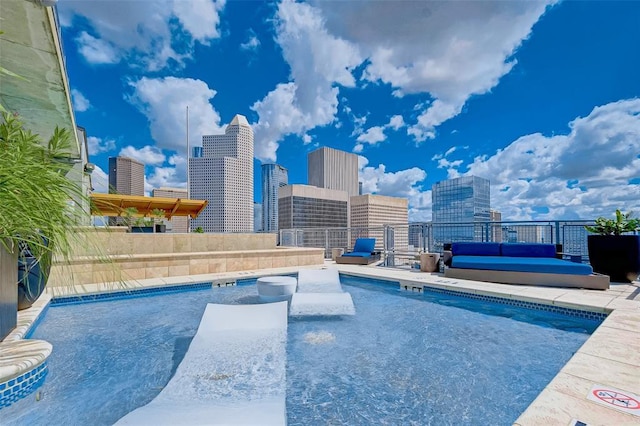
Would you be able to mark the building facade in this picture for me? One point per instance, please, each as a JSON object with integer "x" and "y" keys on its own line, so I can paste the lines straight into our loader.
{"x": 126, "y": 177}
{"x": 369, "y": 214}
{"x": 461, "y": 200}
{"x": 178, "y": 224}
{"x": 496, "y": 228}
{"x": 224, "y": 177}
{"x": 274, "y": 177}
{"x": 304, "y": 207}
{"x": 333, "y": 169}
{"x": 257, "y": 217}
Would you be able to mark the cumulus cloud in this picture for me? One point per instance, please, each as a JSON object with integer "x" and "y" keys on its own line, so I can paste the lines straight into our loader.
{"x": 451, "y": 50}
{"x": 98, "y": 145}
{"x": 318, "y": 61}
{"x": 403, "y": 183}
{"x": 164, "y": 101}
{"x": 375, "y": 134}
{"x": 80, "y": 103}
{"x": 148, "y": 155}
{"x": 97, "y": 51}
{"x": 148, "y": 32}
{"x": 100, "y": 181}
{"x": 583, "y": 174}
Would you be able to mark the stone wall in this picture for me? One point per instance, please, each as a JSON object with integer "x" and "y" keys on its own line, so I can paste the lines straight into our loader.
{"x": 125, "y": 256}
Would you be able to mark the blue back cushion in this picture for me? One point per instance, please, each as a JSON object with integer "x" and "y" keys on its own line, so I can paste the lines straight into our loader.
{"x": 475, "y": 249}
{"x": 528, "y": 250}
{"x": 365, "y": 245}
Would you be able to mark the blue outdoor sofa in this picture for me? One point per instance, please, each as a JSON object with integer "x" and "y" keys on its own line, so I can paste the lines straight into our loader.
{"x": 363, "y": 253}
{"x": 520, "y": 263}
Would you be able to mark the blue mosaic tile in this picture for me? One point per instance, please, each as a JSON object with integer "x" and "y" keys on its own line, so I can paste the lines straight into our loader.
{"x": 132, "y": 293}
{"x": 18, "y": 388}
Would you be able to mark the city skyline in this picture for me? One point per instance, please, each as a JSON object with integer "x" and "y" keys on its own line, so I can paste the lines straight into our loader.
{"x": 541, "y": 98}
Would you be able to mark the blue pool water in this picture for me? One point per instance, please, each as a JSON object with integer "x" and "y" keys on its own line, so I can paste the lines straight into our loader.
{"x": 404, "y": 358}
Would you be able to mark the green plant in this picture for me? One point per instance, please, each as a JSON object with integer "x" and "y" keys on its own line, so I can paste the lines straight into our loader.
{"x": 622, "y": 223}
{"x": 128, "y": 215}
{"x": 37, "y": 198}
{"x": 199, "y": 230}
{"x": 158, "y": 215}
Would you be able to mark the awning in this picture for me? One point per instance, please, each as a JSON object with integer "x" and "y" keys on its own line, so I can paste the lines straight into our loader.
{"x": 115, "y": 204}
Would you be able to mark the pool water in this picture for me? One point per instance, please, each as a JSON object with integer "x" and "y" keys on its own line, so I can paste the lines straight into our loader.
{"x": 404, "y": 358}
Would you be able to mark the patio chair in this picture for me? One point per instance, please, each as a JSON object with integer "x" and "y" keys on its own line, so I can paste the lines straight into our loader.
{"x": 363, "y": 253}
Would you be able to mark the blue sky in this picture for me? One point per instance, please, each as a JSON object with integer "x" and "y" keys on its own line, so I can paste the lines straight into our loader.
{"x": 542, "y": 98}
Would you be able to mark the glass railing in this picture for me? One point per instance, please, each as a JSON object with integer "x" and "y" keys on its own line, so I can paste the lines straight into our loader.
{"x": 401, "y": 243}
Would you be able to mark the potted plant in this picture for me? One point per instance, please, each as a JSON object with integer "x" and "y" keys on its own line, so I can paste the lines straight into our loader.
{"x": 159, "y": 215}
{"x": 613, "y": 249}
{"x": 40, "y": 206}
{"x": 142, "y": 225}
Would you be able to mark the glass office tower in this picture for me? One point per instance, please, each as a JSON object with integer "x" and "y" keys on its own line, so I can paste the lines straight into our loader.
{"x": 456, "y": 201}
{"x": 274, "y": 176}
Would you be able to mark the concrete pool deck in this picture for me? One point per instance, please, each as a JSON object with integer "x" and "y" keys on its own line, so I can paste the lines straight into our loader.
{"x": 609, "y": 359}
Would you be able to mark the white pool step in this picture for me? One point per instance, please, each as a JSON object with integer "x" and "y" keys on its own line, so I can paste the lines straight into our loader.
{"x": 233, "y": 372}
{"x": 319, "y": 292}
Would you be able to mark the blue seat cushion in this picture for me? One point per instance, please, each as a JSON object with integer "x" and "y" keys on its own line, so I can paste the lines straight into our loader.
{"x": 365, "y": 245}
{"x": 475, "y": 249}
{"x": 528, "y": 250}
{"x": 545, "y": 265}
{"x": 357, "y": 254}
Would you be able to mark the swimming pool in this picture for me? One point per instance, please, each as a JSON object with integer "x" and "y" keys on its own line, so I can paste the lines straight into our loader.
{"x": 404, "y": 358}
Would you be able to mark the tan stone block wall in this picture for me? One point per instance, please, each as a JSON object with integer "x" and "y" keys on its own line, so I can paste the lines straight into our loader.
{"x": 90, "y": 270}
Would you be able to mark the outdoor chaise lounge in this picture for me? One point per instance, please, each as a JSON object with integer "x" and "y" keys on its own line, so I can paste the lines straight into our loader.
{"x": 319, "y": 292}
{"x": 520, "y": 263}
{"x": 234, "y": 372}
{"x": 363, "y": 253}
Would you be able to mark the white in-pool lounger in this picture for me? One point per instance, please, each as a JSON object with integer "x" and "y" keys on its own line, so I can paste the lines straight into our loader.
{"x": 233, "y": 372}
{"x": 319, "y": 292}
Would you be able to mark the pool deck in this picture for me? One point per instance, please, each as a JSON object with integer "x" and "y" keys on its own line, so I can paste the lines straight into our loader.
{"x": 609, "y": 359}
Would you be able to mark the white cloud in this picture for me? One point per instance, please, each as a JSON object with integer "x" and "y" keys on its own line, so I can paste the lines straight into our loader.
{"x": 375, "y": 134}
{"x": 403, "y": 183}
{"x": 584, "y": 174}
{"x": 98, "y": 145}
{"x": 317, "y": 60}
{"x": 97, "y": 51}
{"x": 451, "y": 50}
{"x": 252, "y": 43}
{"x": 148, "y": 155}
{"x": 80, "y": 103}
{"x": 164, "y": 101}
{"x": 150, "y": 32}
{"x": 100, "y": 181}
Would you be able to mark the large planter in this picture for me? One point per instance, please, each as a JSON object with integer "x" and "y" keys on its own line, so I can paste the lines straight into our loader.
{"x": 161, "y": 227}
{"x": 615, "y": 255}
{"x": 32, "y": 279}
{"x": 8, "y": 291}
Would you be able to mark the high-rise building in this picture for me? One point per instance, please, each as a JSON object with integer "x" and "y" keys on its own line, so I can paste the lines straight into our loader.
{"x": 333, "y": 169}
{"x": 177, "y": 224}
{"x": 496, "y": 228}
{"x": 304, "y": 206}
{"x": 274, "y": 176}
{"x": 257, "y": 217}
{"x": 461, "y": 200}
{"x": 369, "y": 214}
{"x": 126, "y": 177}
{"x": 224, "y": 177}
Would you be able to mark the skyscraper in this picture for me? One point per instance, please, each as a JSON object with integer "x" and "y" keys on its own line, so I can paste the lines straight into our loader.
{"x": 305, "y": 206}
{"x": 177, "y": 224}
{"x": 462, "y": 200}
{"x": 371, "y": 212}
{"x": 126, "y": 176}
{"x": 224, "y": 177}
{"x": 333, "y": 169}
{"x": 257, "y": 217}
{"x": 274, "y": 176}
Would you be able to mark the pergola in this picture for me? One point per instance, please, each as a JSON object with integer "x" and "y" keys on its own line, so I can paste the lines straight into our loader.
{"x": 116, "y": 204}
